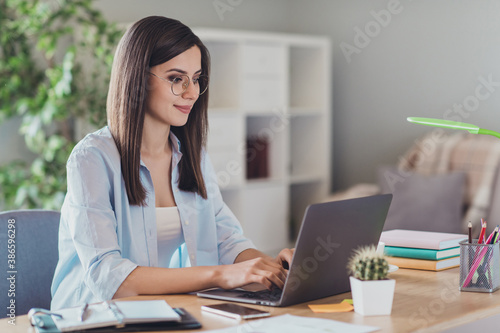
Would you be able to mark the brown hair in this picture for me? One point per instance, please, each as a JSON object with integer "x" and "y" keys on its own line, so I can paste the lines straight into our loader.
{"x": 147, "y": 43}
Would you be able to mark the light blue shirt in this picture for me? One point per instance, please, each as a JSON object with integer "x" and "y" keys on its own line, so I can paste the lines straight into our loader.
{"x": 102, "y": 238}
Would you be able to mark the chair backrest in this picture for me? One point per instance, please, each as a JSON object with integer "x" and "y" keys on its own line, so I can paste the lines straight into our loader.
{"x": 28, "y": 257}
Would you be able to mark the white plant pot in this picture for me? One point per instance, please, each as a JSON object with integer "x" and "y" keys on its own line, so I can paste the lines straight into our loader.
{"x": 372, "y": 298}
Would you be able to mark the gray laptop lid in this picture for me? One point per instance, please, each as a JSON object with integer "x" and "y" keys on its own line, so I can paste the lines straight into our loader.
{"x": 329, "y": 233}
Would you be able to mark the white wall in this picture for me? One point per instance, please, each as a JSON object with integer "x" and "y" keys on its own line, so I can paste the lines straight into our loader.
{"x": 264, "y": 15}
{"x": 424, "y": 59}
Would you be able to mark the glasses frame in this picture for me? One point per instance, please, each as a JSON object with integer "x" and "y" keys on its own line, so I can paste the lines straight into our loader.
{"x": 186, "y": 86}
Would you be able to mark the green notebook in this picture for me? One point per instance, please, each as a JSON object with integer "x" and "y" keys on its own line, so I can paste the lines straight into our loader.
{"x": 415, "y": 253}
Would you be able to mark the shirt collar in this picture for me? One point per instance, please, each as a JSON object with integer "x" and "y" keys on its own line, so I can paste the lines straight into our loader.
{"x": 176, "y": 150}
{"x": 176, "y": 143}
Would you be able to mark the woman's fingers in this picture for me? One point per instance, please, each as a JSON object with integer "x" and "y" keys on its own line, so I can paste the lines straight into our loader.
{"x": 259, "y": 270}
{"x": 270, "y": 271}
{"x": 285, "y": 257}
{"x": 268, "y": 279}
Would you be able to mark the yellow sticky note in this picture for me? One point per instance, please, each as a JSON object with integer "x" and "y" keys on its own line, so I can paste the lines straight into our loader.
{"x": 348, "y": 300}
{"x": 325, "y": 308}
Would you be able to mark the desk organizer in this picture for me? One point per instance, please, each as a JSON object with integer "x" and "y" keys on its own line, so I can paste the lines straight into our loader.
{"x": 479, "y": 267}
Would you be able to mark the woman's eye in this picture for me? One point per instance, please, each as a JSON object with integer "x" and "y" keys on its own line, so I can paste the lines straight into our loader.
{"x": 175, "y": 79}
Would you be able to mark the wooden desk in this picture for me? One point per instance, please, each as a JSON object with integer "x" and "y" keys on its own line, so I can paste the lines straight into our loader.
{"x": 423, "y": 302}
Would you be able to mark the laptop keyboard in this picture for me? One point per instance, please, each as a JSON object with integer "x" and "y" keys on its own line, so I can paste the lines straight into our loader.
{"x": 266, "y": 295}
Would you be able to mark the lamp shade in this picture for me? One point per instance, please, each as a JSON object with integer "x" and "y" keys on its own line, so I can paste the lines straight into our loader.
{"x": 452, "y": 124}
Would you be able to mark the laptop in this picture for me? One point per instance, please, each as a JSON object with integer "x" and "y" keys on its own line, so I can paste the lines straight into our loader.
{"x": 329, "y": 233}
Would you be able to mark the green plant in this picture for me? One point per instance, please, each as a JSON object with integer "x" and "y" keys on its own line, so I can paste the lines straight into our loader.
{"x": 55, "y": 61}
{"x": 367, "y": 264}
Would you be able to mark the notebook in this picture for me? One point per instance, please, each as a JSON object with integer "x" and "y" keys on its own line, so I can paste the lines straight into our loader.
{"x": 416, "y": 253}
{"x": 329, "y": 233}
{"x": 429, "y": 265}
{"x": 44, "y": 323}
{"x": 421, "y": 239}
{"x": 115, "y": 314}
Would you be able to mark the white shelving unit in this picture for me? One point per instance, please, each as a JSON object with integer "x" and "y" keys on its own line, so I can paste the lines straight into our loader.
{"x": 273, "y": 86}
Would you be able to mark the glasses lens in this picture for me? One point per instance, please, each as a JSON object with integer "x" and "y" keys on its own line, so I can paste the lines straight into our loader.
{"x": 202, "y": 83}
{"x": 181, "y": 83}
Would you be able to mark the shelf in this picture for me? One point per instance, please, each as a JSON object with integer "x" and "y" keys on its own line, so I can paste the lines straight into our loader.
{"x": 306, "y": 178}
{"x": 226, "y": 131}
{"x": 275, "y": 88}
{"x": 231, "y": 197}
{"x": 263, "y": 93}
{"x": 228, "y": 165}
{"x": 309, "y": 144}
{"x": 301, "y": 196}
{"x": 266, "y": 210}
{"x": 281, "y": 113}
{"x": 264, "y": 182}
{"x": 230, "y": 188}
{"x": 267, "y": 128}
{"x": 223, "y": 111}
{"x": 224, "y": 84}
{"x": 264, "y": 76}
{"x": 306, "y": 112}
{"x": 309, "y": 85}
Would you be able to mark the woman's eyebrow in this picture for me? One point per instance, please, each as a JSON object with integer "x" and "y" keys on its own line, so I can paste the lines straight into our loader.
{"x": 181, "y": 71}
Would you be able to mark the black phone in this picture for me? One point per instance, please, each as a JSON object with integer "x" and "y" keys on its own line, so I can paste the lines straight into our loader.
{"x": 235, "y": 311}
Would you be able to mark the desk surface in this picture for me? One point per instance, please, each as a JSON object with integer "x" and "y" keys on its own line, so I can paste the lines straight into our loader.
{"x": 423, "y": 301}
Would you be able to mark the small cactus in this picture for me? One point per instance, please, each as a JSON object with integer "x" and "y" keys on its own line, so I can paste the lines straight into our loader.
{"x": 367, "y": 264}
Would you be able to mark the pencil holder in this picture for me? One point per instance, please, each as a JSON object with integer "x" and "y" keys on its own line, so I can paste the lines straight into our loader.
{"x": 479, "y": 267}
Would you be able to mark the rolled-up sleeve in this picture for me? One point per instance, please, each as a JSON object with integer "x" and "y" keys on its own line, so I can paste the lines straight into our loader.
{"x": 91, "y": 222}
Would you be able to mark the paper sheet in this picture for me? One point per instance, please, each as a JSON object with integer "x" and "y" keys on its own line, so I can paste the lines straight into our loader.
{"x": 296, "y": 324}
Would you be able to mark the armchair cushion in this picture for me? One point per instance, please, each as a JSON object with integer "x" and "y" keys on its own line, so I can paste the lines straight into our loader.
{"x": 420, "y": 202}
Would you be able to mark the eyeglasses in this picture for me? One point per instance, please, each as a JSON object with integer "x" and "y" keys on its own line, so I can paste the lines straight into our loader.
{"x": 180, "y": 83}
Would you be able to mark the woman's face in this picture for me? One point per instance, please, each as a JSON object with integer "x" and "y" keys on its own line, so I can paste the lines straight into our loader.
{"x": 162, "y": 105}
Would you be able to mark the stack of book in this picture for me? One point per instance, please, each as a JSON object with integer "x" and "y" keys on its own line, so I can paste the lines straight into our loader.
{"x": 433, "y": 251}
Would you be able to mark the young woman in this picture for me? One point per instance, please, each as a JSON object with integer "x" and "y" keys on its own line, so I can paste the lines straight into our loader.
{"x": 143, "y": 213}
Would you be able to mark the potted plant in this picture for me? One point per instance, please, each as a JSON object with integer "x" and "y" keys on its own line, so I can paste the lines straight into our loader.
{"x": 55, "y": 63}
{"x": 372, "y": 292}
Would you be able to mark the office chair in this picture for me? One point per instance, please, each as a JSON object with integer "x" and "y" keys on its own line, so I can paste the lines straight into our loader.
{"x": 29, "y": 239}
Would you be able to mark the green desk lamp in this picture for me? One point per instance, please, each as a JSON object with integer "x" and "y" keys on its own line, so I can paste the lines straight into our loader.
{"x": 452, "y": 124}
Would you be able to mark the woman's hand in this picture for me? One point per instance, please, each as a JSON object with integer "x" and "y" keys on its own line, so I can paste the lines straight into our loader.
{"x": 262, "y": 270}
{"x": 284, "y": 258}
{"x": 250, "y": 267}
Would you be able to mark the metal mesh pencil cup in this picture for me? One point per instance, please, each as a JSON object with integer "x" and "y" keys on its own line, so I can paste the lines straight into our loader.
{"x": 479, "y": 267}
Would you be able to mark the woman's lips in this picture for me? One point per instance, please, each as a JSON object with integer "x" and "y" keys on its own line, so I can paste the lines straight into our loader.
{"x": 184, "y": 108}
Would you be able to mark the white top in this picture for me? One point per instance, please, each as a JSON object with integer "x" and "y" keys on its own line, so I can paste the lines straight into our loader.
{"x": 170, "y": 236}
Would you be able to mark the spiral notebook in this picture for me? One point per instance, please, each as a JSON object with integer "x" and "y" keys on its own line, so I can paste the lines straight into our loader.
{"x": 114, "y": 315}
